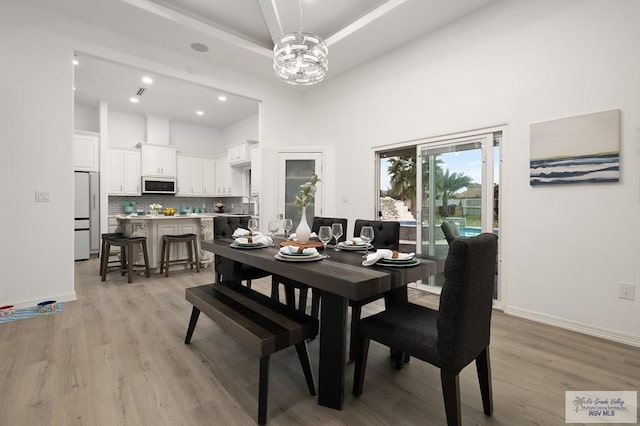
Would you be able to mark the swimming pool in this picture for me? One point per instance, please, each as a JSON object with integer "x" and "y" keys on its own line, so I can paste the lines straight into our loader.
{"x": 465, "y": 231}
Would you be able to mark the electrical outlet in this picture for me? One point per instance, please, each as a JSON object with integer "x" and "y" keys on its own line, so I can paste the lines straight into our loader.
{"x": 626, "y": 291}
{"x": 43, "y": 196}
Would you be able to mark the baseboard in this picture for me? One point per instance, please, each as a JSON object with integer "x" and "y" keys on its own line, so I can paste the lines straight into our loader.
{"x": 576, "y": 326}
{"x": 68, "y": 297}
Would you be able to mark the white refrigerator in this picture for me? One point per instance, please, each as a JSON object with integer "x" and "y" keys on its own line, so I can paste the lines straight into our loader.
{"x": 86, "y": 215}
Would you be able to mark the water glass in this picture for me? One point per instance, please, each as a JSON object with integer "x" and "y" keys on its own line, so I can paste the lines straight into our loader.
{"x": 337, "y": 231}
{"x": 253, "y": 225}
{"x": 273, "y": 227}
{"x": 325, "y": 235}
{"x": 366, "y": 235}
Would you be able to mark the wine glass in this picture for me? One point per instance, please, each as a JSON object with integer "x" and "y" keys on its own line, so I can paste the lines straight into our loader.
{"x": 366, "y": 235}
{"x": 253, "y": 225}
{"x": 273, "y": 227}
{"x": 288, "y": 226}
{"x": 336, "y": 230}
{"x": 325, "y": 235}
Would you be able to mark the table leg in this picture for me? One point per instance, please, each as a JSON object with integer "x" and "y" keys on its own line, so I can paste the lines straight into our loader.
{"x": 397, "y": 295}
{"x": 333, "y": 349}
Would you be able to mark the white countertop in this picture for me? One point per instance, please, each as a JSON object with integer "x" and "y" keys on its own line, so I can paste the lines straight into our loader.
{"x": 176, "y": 216}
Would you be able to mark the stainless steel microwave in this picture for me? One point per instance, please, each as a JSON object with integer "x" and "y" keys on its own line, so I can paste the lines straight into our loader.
{"x": 154, "y": 185}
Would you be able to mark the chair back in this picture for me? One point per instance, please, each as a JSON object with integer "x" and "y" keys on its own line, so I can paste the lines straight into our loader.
{"x": 450, "y": 230}
{"x": 386, "y": 233}
{"x": 328, "y": 221}
{"x": 464, "y": 320}
{"x": 225, "y": 226}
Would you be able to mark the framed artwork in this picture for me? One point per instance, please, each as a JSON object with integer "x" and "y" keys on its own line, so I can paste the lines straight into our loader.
{"x": 581, "y": 149}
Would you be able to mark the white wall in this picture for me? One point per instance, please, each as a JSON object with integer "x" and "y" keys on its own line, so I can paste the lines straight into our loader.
{"x": 36, "y": 124}
{"x": 516, "y": 63}
{"x": 126, "y": 130}
{"x": 241, "y": 132}
{"x": 86, "y": 118}
{"x": 196, "y": 140}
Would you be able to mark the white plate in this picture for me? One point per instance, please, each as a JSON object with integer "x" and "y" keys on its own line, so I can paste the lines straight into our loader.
{"x": 310, "y": 258}
{"x": 251, "y": 246}
{"x": 354, "y": 248}
{"x": 398, "y": 265}
{"x": 296, "y": 255}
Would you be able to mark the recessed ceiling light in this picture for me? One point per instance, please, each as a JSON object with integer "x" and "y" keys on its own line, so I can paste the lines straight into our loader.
{"x": 199, "y": 47}
{"x": 200, "y": 112}
{"x": 134, "y": 100}
{"x": 75, "y": 62}
{"x": 222, "y": 98}
{"x": 147, "y": 80}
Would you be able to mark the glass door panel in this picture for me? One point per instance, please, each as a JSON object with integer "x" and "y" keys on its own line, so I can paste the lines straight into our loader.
{"x": 295, "y": 170}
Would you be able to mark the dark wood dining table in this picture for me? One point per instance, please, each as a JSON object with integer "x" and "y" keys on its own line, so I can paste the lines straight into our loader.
{"x": 339, "y": 278}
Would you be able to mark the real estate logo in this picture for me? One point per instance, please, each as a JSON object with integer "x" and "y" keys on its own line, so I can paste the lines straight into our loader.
{"x": 601, "y": 407}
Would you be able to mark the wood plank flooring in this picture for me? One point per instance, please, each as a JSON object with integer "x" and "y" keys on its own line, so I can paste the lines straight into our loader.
{"x": 116, "y": 357}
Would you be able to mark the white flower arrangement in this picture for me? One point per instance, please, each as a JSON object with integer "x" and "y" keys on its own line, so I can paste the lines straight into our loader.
{"x": 307, "y": 189}
{"x": 155, "y": 206}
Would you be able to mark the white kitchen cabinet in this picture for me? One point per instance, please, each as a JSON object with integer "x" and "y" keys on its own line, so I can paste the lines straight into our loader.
{"x": 238, "y": 155}
{"x": 178, "y": 251}
{"x": 228, "y": 179}
{"x": 86, "y": 151}
{"x": 124, "y": 172}
{"x": 195, "y": 176}
{"x": 158, "y": 161}
{"x": 256, "y": 170}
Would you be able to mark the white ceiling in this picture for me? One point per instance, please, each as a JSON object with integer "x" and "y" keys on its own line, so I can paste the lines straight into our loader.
{"x": 240, "y": 33}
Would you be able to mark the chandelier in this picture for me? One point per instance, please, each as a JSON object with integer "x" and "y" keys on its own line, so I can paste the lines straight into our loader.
{"x": 300, "y": 58}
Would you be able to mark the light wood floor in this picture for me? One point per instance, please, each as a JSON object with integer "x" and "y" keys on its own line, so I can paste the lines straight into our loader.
{"x": 116, "y": 357}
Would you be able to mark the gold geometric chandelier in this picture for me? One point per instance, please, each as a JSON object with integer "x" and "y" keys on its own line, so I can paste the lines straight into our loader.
{"x": 300, "y": 58}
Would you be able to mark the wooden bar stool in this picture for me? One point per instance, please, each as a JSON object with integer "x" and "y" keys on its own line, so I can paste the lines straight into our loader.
{"x": 126, "y": 255}
{"x": 192, "y": 252}
{"x": 109, "y": 254}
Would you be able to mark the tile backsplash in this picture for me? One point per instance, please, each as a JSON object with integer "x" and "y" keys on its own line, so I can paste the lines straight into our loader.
{"x": 232, "y": 204}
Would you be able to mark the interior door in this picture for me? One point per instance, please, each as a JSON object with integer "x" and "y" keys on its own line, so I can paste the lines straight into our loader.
{"x": 294, "y": 169}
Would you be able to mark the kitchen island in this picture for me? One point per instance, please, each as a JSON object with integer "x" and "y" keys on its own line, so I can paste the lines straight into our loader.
{"x": 154, "y": 227}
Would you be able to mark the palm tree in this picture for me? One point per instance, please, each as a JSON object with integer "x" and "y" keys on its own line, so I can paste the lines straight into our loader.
{"x": 403, "y": 177}
{"x": 450, "y": 183}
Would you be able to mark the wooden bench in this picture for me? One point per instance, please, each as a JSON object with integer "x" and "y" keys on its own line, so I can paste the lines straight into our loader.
{"x": 261, "y": 324}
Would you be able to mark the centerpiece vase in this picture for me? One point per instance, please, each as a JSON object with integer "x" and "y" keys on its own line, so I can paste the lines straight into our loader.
{"x": 303, "y": 232}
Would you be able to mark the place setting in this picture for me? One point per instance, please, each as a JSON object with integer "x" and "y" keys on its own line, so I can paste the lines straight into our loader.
{"x": 391, "y": 258}
{"x": 291, "y": 253}
{"x": 251, "y": 238}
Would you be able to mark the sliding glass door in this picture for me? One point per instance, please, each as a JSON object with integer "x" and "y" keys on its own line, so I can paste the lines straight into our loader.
{"x": 458, "y": 181}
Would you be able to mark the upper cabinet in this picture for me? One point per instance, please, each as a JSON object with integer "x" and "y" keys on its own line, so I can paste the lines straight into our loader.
{"x": 158, "y": 161}
{"x": 124, "y": 172}
{"x": 86, "y": 151}
{"x": 238, "y": 155}
{"x": 195, "y": 176}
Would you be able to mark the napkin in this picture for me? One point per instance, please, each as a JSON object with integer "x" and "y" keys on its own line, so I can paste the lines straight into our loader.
{"x": 294, "y": 250}
{"x": 241, "y": 232}
{"x": 385, "y": 254}
{"x": 261, "y": 239}
{"x": 356, "y": 241}
{"x": 293, "y": 237}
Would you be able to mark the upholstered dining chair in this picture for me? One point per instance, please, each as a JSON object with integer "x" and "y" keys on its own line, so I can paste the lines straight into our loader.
{"x": 224, "y": 227}
{"x": 386, "y": 236}
{"x": 450, "y": 230}
{"x": 290, "y": 285}
{"x": 449, "y": 338}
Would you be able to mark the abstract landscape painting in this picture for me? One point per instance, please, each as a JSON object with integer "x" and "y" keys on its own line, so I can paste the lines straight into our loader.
{"x": 582, "y": 149}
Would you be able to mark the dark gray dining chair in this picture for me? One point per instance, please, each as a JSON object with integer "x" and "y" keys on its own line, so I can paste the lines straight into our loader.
{"x": 386, "y": 235}
{"x": 450, "y": 230}
{"x": 449, "y": 338}
{"x": 224, "y": 227}
{"x": 290, "y": 285}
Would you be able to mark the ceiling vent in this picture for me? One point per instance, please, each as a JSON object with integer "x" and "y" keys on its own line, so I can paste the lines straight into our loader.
{"x": 140, "y": 91}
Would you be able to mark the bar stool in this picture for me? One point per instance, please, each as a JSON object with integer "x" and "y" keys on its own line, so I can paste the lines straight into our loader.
{"x": 192, "y": 250}
{"x": 108, "y": 254}
{"x": 126, "y": 255}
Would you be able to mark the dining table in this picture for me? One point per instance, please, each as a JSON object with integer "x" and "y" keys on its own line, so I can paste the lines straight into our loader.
{"x": 339, "y": 278}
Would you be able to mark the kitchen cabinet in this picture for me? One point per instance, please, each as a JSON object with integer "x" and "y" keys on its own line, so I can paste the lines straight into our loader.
{"x": 158, "y": 161}
{"x": 86, "y": 151}
{"x": 228, "y": 179}
{"x": 175, "y": 227}
{"x": 124, "y": 172}
{"x": 238, "y": 155}
{"x": 195, "y": 176}
{"x": 256, "y": 170}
